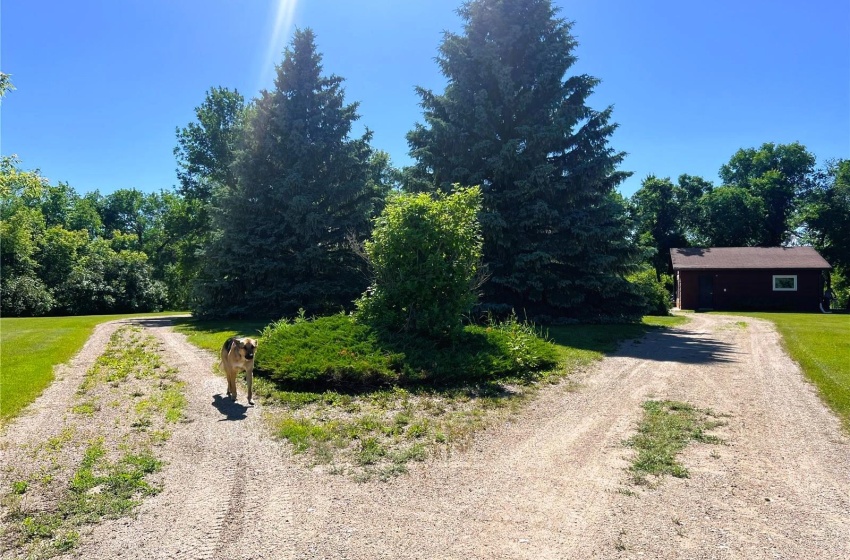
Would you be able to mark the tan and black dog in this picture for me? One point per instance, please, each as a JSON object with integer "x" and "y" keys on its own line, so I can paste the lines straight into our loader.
{"x": 237, "y": 355}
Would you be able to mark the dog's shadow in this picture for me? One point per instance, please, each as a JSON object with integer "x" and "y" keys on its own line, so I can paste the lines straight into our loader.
{"x": 232, "y": 410}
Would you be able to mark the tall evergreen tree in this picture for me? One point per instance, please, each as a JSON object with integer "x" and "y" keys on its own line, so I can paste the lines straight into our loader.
{"x": 510, "y": 120}
{"x": 303, "y": 187}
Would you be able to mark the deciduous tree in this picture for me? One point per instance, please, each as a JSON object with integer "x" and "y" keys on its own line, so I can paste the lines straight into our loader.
{"x": 425, "y": 254}
{"x": 777, "y": 175}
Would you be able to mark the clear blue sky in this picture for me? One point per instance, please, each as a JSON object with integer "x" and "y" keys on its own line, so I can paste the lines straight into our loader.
{"x": 102, "y": 84}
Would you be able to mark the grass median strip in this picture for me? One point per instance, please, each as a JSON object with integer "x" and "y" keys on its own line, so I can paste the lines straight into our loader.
{"x": 101, "y": 461}
{"x": 666, "y": 428}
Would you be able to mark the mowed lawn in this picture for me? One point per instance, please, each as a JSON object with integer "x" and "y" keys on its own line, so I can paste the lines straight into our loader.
{"x": 30, "y": 347}
{"x": 821, "y": 345}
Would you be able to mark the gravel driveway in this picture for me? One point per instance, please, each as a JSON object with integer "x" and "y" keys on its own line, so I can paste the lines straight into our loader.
{"x": 551, "y": 483}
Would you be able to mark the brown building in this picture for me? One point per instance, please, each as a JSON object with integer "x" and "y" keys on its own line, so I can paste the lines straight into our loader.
{"x": 749, "y": 278}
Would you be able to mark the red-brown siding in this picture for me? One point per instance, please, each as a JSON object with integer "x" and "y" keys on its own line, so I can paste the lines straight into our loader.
{"x": 751, "y": 290}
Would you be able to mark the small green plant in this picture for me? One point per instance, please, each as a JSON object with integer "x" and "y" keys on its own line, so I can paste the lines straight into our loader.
{"x": 303, "y": 433}
{"x": 666, "y": 428}
{"x": 370, "y": 451}
{"x": 87, "y": 408}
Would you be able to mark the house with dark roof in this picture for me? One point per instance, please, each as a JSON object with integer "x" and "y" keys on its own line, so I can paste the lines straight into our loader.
{"x": 749, "y": 278}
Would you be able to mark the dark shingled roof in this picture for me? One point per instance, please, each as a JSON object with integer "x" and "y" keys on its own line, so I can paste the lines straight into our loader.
{"x": 747, "y": 257}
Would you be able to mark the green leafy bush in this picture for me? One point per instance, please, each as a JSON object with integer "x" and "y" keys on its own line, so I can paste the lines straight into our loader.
{"x": 655, "y": 294}
{"x": 425, "y": 252}
{"x": 25, "y": 296}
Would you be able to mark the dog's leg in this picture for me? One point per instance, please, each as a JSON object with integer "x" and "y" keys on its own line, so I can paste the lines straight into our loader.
{"x": 231, "y": 382}
{"x": 249, "y": 379}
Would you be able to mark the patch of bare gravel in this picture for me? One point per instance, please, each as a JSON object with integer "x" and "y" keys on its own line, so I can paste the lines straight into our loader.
{"x": 550, "y": 483}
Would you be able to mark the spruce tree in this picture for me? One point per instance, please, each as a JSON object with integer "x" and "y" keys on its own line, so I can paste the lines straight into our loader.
{"x": 556, "y": 242}
{"x": 303, "y": 189}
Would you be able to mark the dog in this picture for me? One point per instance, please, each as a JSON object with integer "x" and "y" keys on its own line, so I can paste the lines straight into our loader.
{"x": 237, "y": 355}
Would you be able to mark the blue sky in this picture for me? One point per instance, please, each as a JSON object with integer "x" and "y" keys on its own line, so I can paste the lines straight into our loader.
{"x": 102, "y": 84}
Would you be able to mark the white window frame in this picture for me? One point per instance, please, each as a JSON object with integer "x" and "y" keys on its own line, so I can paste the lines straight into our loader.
{"x": 783, "y": 277}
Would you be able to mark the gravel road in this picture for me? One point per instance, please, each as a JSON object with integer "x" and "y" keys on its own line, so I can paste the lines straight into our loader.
{"x": 550, "y": 483}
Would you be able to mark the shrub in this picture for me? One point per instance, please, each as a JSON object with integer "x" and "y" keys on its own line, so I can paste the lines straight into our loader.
{"x": 424, "y": 252}
{"x": 655, "y": 294}
{"x": 25, "y": 296}
{"x": 329, "y": 350}
{"x": 338, "y": 351}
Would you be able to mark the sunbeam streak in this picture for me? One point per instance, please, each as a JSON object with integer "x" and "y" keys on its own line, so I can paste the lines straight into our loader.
{"x": 277, "y": 40}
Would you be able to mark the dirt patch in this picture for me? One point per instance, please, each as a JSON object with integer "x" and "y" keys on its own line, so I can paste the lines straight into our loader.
{"x": 552, "y": 482}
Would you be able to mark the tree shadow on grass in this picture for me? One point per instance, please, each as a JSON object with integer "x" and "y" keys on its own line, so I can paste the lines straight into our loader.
{"x": 243, "y": 327}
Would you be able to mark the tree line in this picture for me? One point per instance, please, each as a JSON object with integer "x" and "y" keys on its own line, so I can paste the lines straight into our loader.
{"x": 277, "y": 198}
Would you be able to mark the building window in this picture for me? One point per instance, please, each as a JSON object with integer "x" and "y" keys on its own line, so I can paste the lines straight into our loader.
{"x": 786, "y": 283}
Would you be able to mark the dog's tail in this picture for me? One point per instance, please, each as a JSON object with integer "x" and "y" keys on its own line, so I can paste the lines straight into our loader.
{"x": 228, "y": 344}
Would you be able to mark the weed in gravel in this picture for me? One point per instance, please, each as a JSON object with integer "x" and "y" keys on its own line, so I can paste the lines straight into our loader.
{"x": 87, "y": 408}
{"x": 370, "y": 452}
{"x": 666, "y": 428}
{"x": 57, "y": 443}
{"x": 97, "y": 489}
{"x": 302, "y": 433}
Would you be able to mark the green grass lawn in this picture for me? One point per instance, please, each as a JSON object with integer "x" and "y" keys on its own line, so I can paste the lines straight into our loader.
{"x": 32, "y": 346}
{"x": 821, "y": 345}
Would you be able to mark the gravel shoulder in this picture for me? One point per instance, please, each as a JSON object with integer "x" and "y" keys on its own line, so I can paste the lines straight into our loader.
{"x": 550, "y": 483}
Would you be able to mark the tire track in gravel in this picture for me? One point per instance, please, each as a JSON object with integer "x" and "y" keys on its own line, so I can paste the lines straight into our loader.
{"x": 222, "y": 475}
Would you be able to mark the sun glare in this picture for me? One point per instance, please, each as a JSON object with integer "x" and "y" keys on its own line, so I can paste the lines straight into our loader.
{"x": 284, "y": 16}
